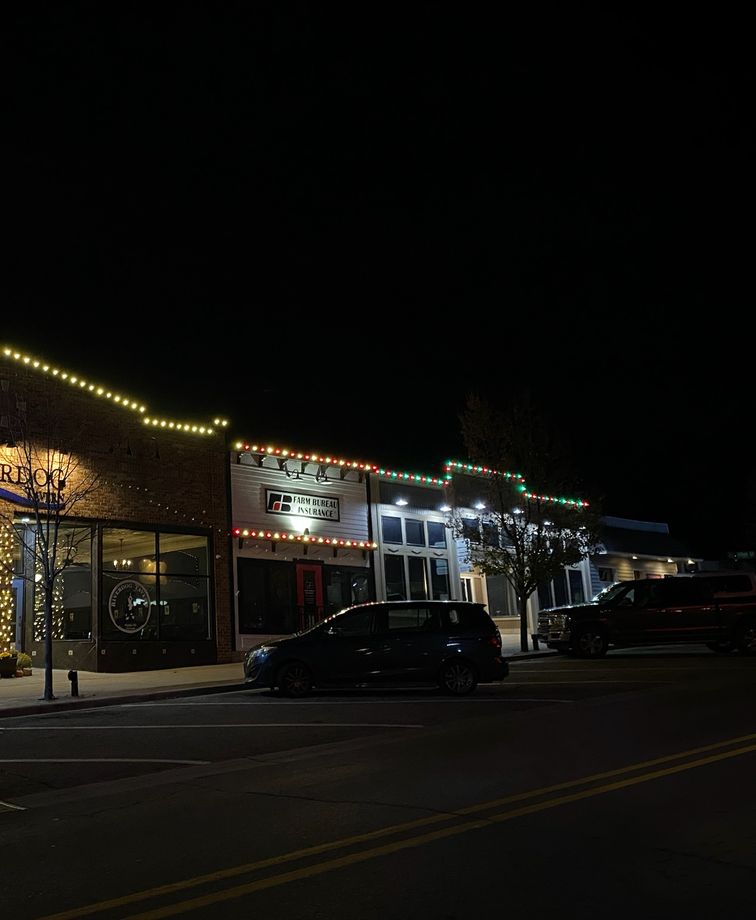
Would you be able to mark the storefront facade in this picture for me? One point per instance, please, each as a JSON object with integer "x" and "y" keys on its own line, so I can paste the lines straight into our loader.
{"x": 144, "y": 523}
{"x": 417, "y": 555}
{"x": 303, "y": 539}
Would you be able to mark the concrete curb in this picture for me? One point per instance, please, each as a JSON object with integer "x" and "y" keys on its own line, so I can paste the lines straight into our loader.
{"x": 91, "y": 702}
{"x": 67, "y": 703}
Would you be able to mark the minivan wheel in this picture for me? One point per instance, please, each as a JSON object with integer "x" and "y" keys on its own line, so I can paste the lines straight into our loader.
{"x": 590, "y": 642}
{"x": 723, "y": 647}
{"x": 747, "y": 639}
{"x": 294, "y": 679}
{"x": 458, "y": 678}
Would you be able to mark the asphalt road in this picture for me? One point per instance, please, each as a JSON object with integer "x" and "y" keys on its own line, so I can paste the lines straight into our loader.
{"x": 621, "y": 787}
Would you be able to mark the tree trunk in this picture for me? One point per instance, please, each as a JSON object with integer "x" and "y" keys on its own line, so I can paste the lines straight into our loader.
{"x": 48, "y": 695}
{"x": 522, "y": 604}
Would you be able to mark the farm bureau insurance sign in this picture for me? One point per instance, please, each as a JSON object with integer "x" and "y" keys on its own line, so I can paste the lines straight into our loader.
{"x": 299, "y": 505}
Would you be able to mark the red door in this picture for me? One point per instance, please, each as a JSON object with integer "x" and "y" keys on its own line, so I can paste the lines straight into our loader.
{"x": 309, "y": 594}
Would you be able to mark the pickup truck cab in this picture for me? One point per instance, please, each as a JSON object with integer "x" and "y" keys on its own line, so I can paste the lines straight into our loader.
{"x": 653, "y": 611}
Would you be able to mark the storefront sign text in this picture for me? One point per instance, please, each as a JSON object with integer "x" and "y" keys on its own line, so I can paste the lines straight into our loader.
{"x": 299, "y": 505}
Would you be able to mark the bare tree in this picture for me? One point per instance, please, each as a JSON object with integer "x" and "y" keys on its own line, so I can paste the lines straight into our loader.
{"x": 50, "y": 482}
{"x": 533, "y": 529}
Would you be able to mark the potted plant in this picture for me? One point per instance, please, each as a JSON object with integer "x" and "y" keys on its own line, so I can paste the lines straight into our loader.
{"x": 23, "y": 664}
{"x": 8, "y": 664}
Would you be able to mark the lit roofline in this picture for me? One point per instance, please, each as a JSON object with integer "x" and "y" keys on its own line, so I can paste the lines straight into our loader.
{"x": 80, "y": 383}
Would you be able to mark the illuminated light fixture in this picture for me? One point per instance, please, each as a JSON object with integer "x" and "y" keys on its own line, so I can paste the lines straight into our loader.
{"x": 282, "y": 536}
{"x": 122, "y": 563}
{"x": 401, "y": 502}
{"x": 480, "y": 506}
{"x": 690, "y": 562}
{"x": 123, "y": 401}
{"x": 635, "y": 557}
{"x": 670, "y": 560}
{"x": 445, "y": 508}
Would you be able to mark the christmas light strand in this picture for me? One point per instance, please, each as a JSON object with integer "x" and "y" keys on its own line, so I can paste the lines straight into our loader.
{"x": 309, "y": 539}
{"x": 80, "y": 383}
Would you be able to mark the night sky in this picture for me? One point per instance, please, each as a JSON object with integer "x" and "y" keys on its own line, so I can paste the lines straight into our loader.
{"x": 331, "y": 224}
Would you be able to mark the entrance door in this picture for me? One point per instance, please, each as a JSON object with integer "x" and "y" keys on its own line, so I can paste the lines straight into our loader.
{"x": 309, "y": 594}
{"x": 473, "y": 588}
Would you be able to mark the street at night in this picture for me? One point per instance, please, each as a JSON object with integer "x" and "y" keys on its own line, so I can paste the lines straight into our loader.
{"x": 575, "y": 787}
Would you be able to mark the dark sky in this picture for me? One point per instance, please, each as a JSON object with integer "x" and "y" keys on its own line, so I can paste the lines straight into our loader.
{"x": 333, "y": 223}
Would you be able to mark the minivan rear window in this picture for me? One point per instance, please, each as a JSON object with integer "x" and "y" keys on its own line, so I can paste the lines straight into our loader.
{"x": 467, "y": 616}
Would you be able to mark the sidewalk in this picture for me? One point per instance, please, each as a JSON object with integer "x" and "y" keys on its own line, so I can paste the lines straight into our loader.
{"x": 23, "y": 695}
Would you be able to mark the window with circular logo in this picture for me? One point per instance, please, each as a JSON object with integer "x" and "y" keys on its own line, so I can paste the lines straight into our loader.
{"x": 129, "y": 606}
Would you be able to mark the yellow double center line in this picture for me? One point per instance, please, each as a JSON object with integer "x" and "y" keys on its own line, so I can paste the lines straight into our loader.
{"x": 414, "y": 840}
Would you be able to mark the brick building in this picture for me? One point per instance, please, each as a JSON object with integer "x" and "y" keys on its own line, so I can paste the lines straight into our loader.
{"x": 144, "y": 524}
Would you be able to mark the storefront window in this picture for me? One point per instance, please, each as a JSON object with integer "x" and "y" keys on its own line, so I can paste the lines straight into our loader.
{"x": 72, "y": 589}
{"x": 396, "y": 589}
{"x": 415, "y": 533}
{"x": 154, "y": 585}
{"x": 471, "y": 529}
{"x": 392, "y": 528}
{"x": 436, "y": 534}
{"x": 490, "y": 534}
{"x": 418, "y": 579}
{"x": 440, "y": 579}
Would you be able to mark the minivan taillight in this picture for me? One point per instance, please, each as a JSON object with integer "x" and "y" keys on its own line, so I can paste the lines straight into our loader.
{"x": 495, "y": 641}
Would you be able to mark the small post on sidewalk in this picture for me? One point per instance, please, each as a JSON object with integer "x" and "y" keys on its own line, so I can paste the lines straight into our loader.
{"x": 73, "y": 676}
{"x": 534, "y": 637}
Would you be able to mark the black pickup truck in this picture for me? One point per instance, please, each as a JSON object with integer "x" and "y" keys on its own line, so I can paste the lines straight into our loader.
{"x": 653, "y": 611}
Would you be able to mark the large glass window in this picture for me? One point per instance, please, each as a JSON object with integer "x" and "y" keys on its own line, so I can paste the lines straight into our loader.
{"x": 415, "y": 533}
{"x": 577, "y": 593}
{"x": 499, "y": 594}
{"x": 436, "y": 534}
{"x": 392, "y": 528}
{"x": 154, "y": 585}
{"x": 440, "y": 579}
{"x": 396, "y": 589}
{"x": 418, "y": 578}
{"x": 560, "y": 590}
{"x": 72, "y": 589}
{"x": 490, "y": 534}
{"x": 471, "y": 529}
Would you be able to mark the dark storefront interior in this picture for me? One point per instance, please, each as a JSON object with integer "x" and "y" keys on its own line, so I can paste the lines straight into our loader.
{"x": 280, "y": 598}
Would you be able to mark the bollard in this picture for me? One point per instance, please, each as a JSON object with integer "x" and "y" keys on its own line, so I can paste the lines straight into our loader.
{"x": 73, "y": 676}
{"x": 534, "y": 637}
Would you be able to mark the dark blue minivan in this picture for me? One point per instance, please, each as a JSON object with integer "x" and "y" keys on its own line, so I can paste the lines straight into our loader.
{"x": 451, "y": 644}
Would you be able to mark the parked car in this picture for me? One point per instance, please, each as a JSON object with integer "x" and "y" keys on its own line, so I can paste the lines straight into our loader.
{"x": 653, "y": 612}
{"x": 452, "y": 644}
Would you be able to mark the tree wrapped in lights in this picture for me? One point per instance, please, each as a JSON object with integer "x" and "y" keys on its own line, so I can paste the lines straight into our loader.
{"x": 58, "y": 612}
{"x": 7, "y": 612}
{"x": 51, "y": 481}
{"x": 531, "y": 534}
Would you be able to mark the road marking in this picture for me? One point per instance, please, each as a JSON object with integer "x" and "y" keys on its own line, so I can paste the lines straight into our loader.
{"x": 9, "y": 806}
{"x": 375, "y": 852}
{"x": 97, "y": 760}
{"x": 326, "y": 702}
{"x": 96, "y": 728}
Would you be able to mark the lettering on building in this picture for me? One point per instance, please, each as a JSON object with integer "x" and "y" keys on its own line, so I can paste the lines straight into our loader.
{"x": 298, "y": 504}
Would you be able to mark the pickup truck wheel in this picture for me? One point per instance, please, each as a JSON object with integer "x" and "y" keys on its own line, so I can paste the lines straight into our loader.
{"x": 590, "y": 642}
{"x": 746, "y": 640}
